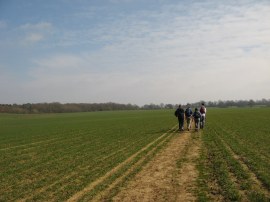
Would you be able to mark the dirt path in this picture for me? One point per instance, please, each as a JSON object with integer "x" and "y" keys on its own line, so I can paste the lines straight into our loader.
{"x": 170, "y": 176}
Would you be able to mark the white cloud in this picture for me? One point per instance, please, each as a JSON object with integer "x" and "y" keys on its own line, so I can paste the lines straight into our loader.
{"x": 179, "y": 53}
{"x": 34, "y": 33}
{"x": 38, "y": 26}
{"x": 33, "y": 38}
{"x": 60, "y": 62}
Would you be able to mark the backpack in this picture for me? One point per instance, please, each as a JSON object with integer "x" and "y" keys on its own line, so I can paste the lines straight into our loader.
{"x": 188, "y": 112}
{"x": 176, "y": 113}
{"x": 197, "y": 115}
{"x": 202, "y": 110}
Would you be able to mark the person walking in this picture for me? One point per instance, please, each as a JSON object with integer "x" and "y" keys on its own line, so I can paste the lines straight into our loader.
{"x": 203, "y": 115}
{"x": 188, "y": 114}
{"x": 197, "y": 116}
{"x": 179, "y": 113}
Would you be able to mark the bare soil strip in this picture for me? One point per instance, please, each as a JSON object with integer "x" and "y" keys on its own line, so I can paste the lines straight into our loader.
{"x": 105, "y": 195}
{"x": 70, "y": 175}
{"x": 257, "y": 184}
{"x": 89, "y": 187}
{"x": 188, "y": 172}
{"x": 161, "y": 179}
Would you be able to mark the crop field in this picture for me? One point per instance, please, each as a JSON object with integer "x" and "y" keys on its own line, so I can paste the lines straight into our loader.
{"x": 104, "y": 156}
{"x": 235, "y": 162}
{"x": 51, "y": 157}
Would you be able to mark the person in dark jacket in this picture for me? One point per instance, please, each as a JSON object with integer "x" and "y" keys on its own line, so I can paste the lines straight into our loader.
{"x": 180, "y": 114}
{"x": 197, "y": 116}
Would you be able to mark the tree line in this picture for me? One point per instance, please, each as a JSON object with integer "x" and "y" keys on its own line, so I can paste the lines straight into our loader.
{"x": 219, "y": 104}
{"x": 57, "y": 107}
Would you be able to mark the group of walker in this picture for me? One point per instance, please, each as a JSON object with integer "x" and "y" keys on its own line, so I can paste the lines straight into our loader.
{"x": 198, "y": 117}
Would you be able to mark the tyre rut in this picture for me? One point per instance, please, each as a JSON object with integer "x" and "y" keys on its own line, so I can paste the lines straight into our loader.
{"x": 92, "y": 185}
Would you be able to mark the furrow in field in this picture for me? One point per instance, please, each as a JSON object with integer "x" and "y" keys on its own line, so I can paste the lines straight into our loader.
{"x": 51, "y": 160}
{"x": 260, "y": 153}
{"x": 256, "y": 161}
{"x": 234, "y": 167}
{"x": 68, "y": 185}
{"x": 61, "y": 139}
{"x": 52, "y": 156}
{"x": 30, "y": 144}
{"x": 58, "y": 146}
{"x": 26, "y": 140}
{"x": 218, "y": 169}
{"x": 115, "y": 185}
{"x": 256, "y": 184}
{"x": 65, "y": 178}
{"x": 90, "y": 186}
{"x": 63, "y": 174}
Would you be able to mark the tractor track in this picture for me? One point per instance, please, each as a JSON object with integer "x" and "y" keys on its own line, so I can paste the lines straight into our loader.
{"x": 170, "y": 176}
{"x": 77, "y": 196}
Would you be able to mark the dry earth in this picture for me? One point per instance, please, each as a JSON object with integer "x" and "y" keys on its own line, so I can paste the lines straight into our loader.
{"x": 170, "y": 176}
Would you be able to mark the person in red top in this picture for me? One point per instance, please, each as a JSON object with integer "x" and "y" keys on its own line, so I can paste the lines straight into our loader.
{"x": 203, "y": 115}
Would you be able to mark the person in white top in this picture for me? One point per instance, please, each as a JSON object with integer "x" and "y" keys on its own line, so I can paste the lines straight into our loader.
{"x": 203, "y": 113}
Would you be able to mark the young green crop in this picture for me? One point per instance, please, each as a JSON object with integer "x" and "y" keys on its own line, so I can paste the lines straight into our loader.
{"x": 57, "y": 155}
{"x": 236, "y": 157}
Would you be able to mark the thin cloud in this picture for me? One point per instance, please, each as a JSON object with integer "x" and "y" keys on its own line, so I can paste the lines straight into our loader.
{"x": 34, "y": 33}
{"x": 33, "y": 38}
{"x": 165, "y": 54}
{"x": 121, "y": 1}
{"x": 43, "y": 26}
{"x": 185, "y": 52}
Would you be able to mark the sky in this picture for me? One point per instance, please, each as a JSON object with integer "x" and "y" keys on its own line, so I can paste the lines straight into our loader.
{"x": 134, "y": 51}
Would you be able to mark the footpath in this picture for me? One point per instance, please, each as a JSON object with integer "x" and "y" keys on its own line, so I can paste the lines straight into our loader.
{"x": 170, "y": 176}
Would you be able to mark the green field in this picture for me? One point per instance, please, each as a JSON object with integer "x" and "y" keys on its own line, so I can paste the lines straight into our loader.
{"x": 235, "y": 162}
{"x": 52, "y": 157}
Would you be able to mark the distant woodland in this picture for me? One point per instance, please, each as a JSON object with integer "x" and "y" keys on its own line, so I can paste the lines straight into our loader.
{"x": 56, "y": 107}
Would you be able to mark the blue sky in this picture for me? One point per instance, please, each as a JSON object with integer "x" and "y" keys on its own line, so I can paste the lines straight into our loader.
{"x": 134, "y": 51}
